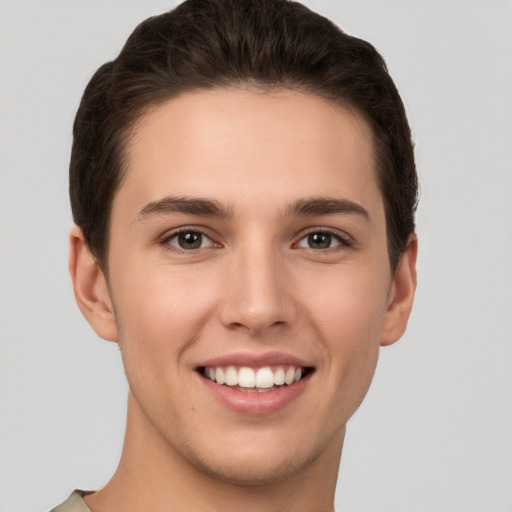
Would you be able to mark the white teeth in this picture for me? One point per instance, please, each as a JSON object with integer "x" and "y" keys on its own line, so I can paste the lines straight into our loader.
{"x": 219, "y": 376}
{"x": 289, "y": 376}
{"x": 246, "y": 377}
{"x": 279, "y": 377}
{"x": 231, "y": 376}
{"x": 263, "y": 379}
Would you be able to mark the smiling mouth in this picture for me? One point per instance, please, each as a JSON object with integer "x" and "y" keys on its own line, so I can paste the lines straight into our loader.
{"x": 255, "y": 380}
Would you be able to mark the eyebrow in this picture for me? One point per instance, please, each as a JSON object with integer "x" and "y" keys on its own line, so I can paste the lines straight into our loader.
{"x": 326, "y": 206}
{"x": 186, "y": 205}
{"x": 212, "y": 208}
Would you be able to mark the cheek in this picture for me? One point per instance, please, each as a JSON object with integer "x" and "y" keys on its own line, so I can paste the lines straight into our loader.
{"x": 349, "y": 304}
{"x": 158, "y": 318}
{"x": 159, "y": 314}
{"x": 348, "y": 309}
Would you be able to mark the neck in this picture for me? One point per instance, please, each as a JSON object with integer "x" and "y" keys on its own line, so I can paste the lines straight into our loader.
{"x": 152, "y": 476}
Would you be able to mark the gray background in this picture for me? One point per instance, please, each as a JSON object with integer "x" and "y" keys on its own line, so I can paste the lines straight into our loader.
{"x": 435, "y": 432}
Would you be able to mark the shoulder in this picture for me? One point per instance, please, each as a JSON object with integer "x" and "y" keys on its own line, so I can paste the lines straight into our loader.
{"x": 74, "y": 503}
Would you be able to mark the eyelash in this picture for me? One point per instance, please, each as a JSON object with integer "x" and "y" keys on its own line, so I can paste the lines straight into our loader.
{"x": 343, "y": 240}
{"x": 186, "y": 230}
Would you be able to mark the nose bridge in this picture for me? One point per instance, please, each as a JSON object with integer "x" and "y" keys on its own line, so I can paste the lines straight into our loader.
{"x": 256, "y": 296}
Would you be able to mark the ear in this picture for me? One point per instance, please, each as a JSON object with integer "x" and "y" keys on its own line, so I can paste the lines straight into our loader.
{"x": 401, "y": 295}
{"x": 90, "y": 287}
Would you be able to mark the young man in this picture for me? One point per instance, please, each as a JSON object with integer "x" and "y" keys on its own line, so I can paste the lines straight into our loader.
{"x": 243, "y": 186}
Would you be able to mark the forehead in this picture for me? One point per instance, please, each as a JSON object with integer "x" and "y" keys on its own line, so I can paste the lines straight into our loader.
{"x": 240, "y": 143}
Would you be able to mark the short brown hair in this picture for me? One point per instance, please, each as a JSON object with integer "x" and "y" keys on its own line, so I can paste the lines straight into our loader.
{"x": 204, "y": 44}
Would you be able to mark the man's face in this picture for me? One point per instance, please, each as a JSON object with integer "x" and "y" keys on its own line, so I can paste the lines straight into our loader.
{"x": 248, "y": 242}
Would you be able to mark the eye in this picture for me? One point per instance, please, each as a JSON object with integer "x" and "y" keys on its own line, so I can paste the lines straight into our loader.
{"x": 321, "y": 240}
{"x": 189, "y": 240}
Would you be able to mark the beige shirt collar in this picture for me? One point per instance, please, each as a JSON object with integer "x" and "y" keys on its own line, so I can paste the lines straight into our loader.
{"x": 74, "y": 503}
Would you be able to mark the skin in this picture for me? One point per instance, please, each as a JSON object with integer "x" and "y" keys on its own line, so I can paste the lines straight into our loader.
{"x": 257, "y": 284}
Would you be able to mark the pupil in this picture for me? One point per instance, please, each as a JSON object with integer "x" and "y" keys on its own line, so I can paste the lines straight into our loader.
{"x": 189, "y": 240}
{"x": 319, "y": 240}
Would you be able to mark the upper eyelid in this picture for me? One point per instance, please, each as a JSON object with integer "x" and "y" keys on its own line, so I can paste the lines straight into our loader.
{"x": 165, "y": 239}
{"x": 342, "y": 235}
{"x": 171, "y": 233}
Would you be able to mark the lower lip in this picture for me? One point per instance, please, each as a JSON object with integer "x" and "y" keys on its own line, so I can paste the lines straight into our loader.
{"x": 256, "y": 403}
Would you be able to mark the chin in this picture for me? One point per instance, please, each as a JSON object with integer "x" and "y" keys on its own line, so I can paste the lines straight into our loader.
{"x": 253, "y": 470}
{"x": 258, "y": 458}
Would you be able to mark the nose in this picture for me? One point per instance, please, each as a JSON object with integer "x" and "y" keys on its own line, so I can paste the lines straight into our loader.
{"x": 258, "y": 294}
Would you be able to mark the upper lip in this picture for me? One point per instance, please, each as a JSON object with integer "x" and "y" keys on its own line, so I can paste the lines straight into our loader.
{"x": 255, "y": 360}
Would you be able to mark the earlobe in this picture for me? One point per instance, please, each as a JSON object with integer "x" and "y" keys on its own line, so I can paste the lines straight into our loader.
{"x": 90, "y": 287}
{"x": 401, "y": 297}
